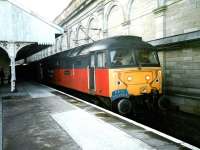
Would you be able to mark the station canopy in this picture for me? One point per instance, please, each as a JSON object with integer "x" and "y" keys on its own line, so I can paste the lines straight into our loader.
{"x": 18, "y": 24}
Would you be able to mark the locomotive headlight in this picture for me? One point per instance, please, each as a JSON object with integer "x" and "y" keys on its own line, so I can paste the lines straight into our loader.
{"x": 130, "y": 78}
{"x": 147, "y": 77}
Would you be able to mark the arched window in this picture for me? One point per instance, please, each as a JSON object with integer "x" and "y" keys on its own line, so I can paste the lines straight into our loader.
{"x": 141, "y": 18}
{"x": 81, "y": 35}
{"x": 59, "y": 44}
{"x": 115, "y": 20}
{"x": 72, "y": 39}
{"x": 64, "y": 42}
{"x": 56, "y": 46}
{"x": 136, "y": 12}
{"x": 93, "y": 30}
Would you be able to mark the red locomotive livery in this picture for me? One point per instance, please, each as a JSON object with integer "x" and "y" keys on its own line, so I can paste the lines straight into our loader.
{"x": 121, "y": 71}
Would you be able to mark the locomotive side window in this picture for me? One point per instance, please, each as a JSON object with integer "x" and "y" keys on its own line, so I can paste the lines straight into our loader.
{"x": 92, "y": 61}
{"x": 101, "y": 60}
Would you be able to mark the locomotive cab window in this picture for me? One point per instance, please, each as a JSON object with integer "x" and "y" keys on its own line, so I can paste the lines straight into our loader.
{"x": 131, "y": 57}
{"x": 122, "y": 57}
{"x": 147, "y": 56}
{"x": 101, "y": 60}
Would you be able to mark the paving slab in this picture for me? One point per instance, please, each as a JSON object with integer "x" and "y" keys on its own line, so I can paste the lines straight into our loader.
{"x": 28, "y": 125}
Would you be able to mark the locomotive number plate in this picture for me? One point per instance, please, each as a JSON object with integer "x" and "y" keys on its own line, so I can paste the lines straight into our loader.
{"x": 119, "y": 93}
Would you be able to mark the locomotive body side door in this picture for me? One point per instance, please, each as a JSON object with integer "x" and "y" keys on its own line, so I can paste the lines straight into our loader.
{"x": 102, "y": 74}
{"x": 91, "y": 78}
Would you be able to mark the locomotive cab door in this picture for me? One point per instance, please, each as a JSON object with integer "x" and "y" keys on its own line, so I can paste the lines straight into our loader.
{"x": 92, "y": 73}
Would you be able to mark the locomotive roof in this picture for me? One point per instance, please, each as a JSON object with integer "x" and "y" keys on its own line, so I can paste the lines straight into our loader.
{"x": 119, "y": 41}
{"x": 108, "y": 43}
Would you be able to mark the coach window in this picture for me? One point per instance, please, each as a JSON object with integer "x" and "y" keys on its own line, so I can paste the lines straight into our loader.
{"x": 101, "y": 60}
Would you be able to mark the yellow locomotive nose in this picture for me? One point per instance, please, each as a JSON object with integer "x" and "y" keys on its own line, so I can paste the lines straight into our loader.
{"x": 135, "y": 77}
{"x": 138, "y": 82}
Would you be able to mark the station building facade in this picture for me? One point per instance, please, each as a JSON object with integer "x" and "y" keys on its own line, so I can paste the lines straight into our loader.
{"x": 173, "y": 26}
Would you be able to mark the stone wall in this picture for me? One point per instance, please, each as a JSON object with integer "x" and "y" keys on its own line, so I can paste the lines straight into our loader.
{"x": 182, "y": 76}
{"x": 182, "y": 16}
{"x": 98, "y": 20}
{"x": 150, "y": 19}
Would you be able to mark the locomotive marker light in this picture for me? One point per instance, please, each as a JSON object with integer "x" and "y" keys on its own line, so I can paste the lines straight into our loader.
{"x": 147, "y": 77}
{"x": 130, "y": 78}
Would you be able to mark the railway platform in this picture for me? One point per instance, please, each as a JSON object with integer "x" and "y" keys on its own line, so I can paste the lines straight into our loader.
{"x": 39, "y": 117}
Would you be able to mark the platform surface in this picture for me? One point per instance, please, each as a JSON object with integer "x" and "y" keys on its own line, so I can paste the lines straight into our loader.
{"x": 37, "y": 117}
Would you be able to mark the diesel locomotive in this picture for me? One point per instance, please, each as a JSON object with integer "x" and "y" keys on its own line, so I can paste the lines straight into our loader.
{"x": 121, "y": 71}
